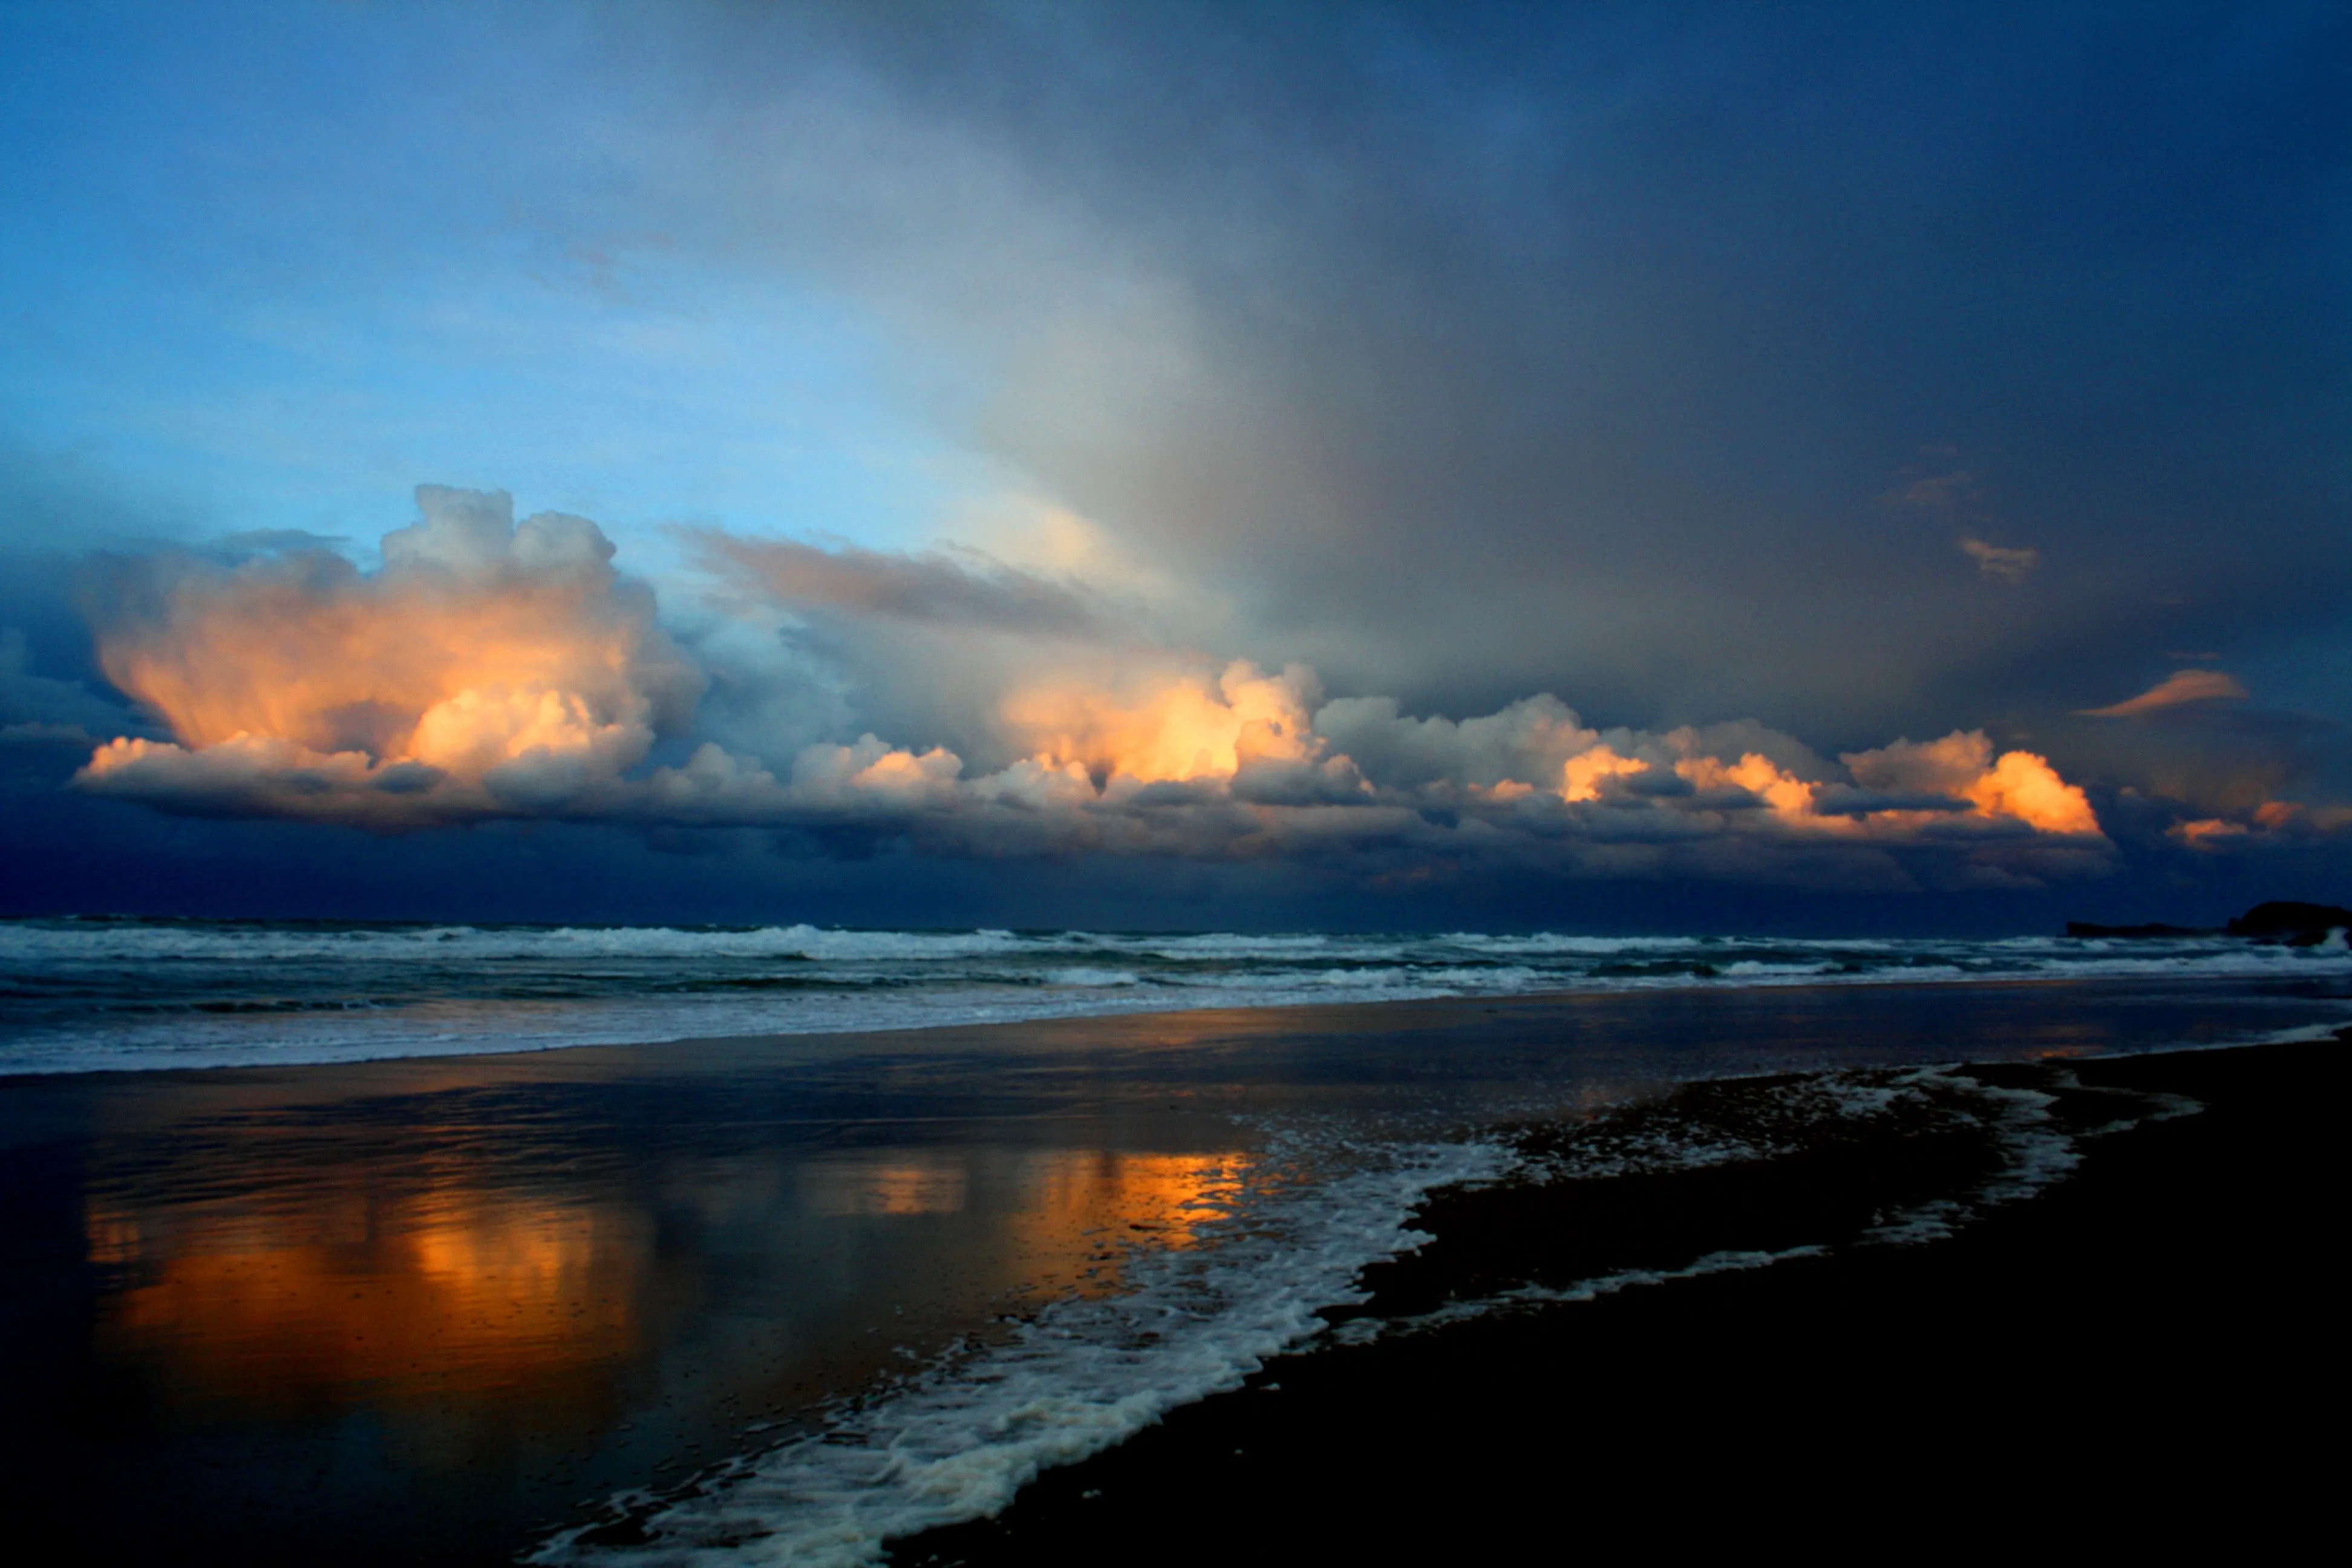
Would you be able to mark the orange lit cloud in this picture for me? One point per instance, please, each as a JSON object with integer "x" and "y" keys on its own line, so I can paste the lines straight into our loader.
{"x": 1908, "y": 786}
{"x": 2206, "y": 833}
{"x": 2026, "y": 787}
{"x": 2019, "y": 784}
{"x": 2181, "y": 687}
{"x": 1581, "y": 776}
{"x": 493, "y": 669}
{"x": 1174, "y": 728}
{"x": 1789, "y": 797}
{"x": 486, "y": 660}
{"x": 2273, "y": 823}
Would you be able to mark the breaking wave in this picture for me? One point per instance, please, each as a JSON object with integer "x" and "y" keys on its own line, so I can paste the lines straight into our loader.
{"x": 118, "y": 993}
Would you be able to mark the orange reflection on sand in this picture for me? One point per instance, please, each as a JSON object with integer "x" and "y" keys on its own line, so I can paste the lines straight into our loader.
{"x": 1083, "y": 1206}
{"x": 451, "y": 1293}
{"x": 888, "y": 1186}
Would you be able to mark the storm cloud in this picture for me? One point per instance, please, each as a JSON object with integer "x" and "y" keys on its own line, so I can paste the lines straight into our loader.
{"x": 1578, "y": 349}
{"x": 1744, "y": 444}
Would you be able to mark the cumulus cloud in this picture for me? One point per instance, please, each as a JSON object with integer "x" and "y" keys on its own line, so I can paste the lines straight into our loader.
{"x": 2181, "y": 687}
{"x": 488, "y": 668}
{"x": 1961, "y": 766}
{"x": 495, "y": 668}
{"x": 1532, "y": 738}
{"x": 1170, "y": 726}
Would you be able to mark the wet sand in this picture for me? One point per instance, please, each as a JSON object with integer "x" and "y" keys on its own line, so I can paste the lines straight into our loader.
{"x": 2148, "y": 1351}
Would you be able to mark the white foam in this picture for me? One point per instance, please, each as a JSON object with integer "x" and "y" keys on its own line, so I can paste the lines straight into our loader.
{"x": 94, "y": 940}
{"x": 2038, "y": 1153}
{"x": 1547, "y": 943}
{"x": 955, "y": 1443}
{"x": 1084, "y": 977}
{"x": 1363, "y": 1330}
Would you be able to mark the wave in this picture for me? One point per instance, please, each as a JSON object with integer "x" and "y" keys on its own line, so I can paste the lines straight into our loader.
{"x": 126, "y": 994}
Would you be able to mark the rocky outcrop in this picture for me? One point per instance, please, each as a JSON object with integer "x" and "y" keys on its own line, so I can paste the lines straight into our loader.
{"x": 2296, "y": 925}
{"x": 2293, "y": 924}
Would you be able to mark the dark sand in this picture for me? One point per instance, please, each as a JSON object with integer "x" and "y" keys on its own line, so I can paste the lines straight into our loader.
{"x": 2148, "y": 1351}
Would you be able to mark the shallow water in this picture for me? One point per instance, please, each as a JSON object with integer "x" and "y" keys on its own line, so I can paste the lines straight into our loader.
{"x": 428, "y": 1309}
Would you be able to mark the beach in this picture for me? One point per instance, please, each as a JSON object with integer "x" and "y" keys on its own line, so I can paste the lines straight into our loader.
{"x": 829, "y": 784}
{"x": 2133, "y": 1354}
{"x": 1364, "y": 1281}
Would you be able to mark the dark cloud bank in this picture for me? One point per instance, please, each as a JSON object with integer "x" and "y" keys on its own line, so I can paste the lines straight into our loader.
{"x": 1765, "y": 385}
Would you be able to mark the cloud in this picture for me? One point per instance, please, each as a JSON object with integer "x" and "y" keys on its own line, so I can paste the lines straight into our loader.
{"x": 1474, "y": 381}
{"x": 489, "y": 669}
{"x": 2280, "y": 827}
{"x": 1466, "y": 358}
{"x": 1962, "y": 765}
{"x": 2207, "y": 833}
{"x": 2002, "y": 562}
{"x": 1170, "y": 726}
{"x": 497, "y": 669}
{"x": 1582, "y": 776}
{"x": 1521, "y": 741}
{"x": 959, "y": 588}
{"x": 2180, "y": 687}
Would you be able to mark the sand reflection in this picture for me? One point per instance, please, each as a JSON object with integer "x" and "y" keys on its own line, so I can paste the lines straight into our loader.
{"x": 889, "y": 1184}
{"x": 284, "y": 1299}
{"x": 452, "y": 1292}
{"x": 1088, "y": 1208}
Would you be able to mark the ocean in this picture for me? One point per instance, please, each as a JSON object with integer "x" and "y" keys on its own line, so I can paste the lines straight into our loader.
{"x": 126, "y": 994}
{"x": 813, "y": 1240}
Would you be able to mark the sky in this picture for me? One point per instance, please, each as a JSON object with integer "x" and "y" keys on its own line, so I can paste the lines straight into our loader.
{"x": 1604, "y": 467}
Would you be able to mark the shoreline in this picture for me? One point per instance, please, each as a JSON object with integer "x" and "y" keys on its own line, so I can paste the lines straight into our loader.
{"x": 2084, "y": 1326}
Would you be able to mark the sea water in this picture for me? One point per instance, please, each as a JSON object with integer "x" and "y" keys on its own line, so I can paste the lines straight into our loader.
{"x": 89, "y": 994}
{"x": 840, "y": 1262}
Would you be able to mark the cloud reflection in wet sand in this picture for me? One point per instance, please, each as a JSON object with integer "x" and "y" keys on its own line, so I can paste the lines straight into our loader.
{"x": 540, "y": 1306}
{"x": 457, "y": 1291}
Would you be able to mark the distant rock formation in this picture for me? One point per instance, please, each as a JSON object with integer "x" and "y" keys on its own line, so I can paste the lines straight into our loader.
{"x": 2293, "y": 924}
{"x": 2297, "y": 925}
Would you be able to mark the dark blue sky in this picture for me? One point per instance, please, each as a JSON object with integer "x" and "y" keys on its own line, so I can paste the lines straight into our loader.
{"x": 1829, "y": 466}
